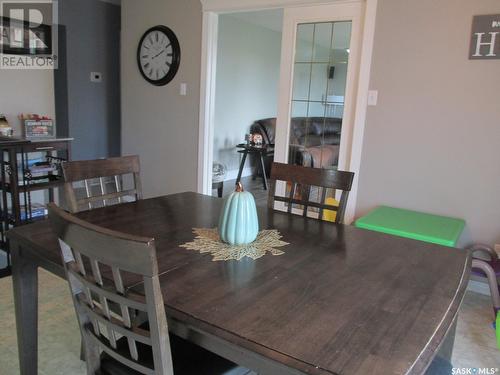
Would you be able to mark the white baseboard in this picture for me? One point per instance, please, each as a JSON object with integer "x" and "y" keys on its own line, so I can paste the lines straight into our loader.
{"x": 232, "y": 174}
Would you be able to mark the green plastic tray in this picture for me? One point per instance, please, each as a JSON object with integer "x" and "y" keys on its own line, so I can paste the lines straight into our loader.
{"x": 436, "y": 229}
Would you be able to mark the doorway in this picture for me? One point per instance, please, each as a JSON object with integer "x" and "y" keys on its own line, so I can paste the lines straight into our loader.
{"x": 246, "y": 96}
{"x": 352, "y": 61}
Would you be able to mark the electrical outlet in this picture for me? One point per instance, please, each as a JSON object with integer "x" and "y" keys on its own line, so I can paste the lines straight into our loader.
{"x": 183, "y": 89}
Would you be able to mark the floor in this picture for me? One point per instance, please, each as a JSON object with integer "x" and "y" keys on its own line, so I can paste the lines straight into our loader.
{"x": 59, "y": 343}
{"x": 59, "y": 338}
{"x": 253, "y": 186}
{"x": 475, "y": 342}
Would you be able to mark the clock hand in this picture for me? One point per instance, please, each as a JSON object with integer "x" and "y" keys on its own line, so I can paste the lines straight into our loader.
{"x": 155, "y": 56}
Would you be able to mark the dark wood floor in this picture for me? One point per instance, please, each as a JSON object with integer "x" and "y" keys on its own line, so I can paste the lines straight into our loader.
{"x": 253, "y": 186}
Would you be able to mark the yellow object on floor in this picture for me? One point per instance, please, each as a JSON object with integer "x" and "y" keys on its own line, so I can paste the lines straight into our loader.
{"x": 330, "y": 215}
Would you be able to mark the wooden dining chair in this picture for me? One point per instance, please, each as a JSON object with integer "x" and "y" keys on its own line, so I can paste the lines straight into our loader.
{"x": 102, "y": 180}
{"x": 302, "y": 180}
{"x": 95, "y": 261}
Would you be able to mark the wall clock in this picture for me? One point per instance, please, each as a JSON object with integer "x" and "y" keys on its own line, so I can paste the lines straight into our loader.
{"x": 158, "y": 55}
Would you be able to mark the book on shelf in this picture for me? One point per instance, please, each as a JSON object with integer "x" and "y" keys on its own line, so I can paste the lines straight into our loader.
{"x": 33, "y": 182}
{"x": 37, "y": 166}
{"x": 38, "y": 210}
{"x": 42, "y": 169}
{"x": 32, "y": 162}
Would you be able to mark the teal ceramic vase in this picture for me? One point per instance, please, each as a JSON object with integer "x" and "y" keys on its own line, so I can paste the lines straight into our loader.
{"x": 238, "y": 223}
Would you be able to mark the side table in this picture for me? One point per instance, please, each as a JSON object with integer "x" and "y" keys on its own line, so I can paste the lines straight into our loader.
{"x": 219, "y": 185}
{"x": 264, "y": 150}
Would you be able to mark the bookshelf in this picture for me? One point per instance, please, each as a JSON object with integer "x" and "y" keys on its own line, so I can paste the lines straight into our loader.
{"x": 27, "y": 166}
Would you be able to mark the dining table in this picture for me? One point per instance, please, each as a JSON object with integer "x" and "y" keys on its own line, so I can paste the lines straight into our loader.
{"x": 336, "y": 299}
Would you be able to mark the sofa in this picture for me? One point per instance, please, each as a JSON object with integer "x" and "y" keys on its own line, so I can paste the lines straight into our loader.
{"x": 314, "y": 141}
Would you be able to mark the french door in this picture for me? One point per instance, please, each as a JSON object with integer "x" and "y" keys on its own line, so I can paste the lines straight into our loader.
{"x": 320, "y": 60}
{"x": 318, "y": 77}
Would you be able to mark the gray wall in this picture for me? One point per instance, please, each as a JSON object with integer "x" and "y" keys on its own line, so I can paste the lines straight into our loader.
{"x": 158, "y": 124}
{"x": 433, "y": 141}
{"x": 248, "y": 64}
{"x": 92, "y": 45}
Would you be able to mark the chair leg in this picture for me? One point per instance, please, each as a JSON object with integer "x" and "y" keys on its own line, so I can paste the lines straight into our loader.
{"x": 492, "y": 281}
{"x": 82, "y": 351}
{"x": 90, "y": 351}
{"x": 263, "y": 168}
{"x": 93, "y": 358}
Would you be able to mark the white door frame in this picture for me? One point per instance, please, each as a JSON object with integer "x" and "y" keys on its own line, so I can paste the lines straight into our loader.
{"x": 211, "y": 11}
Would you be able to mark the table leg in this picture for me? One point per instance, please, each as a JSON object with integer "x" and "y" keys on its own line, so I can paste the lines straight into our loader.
{"x": 441, "y": 363}
{"x": 219, "y": 186}
{"x": 25, "y": 283}
{"x": 242, "y": 165}
{"x": 263, "y": 167}
{"x": 446, "y": 349}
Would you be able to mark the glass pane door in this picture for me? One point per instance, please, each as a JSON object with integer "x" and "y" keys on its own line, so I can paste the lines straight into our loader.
{"x": 318, "y": 96}
{"x": 319, "y": 85}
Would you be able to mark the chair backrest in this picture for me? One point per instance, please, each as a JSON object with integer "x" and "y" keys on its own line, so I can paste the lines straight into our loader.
{"x": 302, "y": 180}
{"x": 109, "y": 174}
{"x": 95, "y": 260}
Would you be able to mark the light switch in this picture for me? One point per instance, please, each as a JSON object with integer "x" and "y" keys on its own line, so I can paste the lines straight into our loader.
{"x": 183, "y": 89}
{"x": 95, "y": 77}
{"x": 372, "y": 97}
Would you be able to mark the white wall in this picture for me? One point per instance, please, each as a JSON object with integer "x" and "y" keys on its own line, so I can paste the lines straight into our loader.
{"x": 157, "y": 123}
{"x": 248, "y": 62}
{"x": 26, "y": 91}
{"x": 433, "y": 141}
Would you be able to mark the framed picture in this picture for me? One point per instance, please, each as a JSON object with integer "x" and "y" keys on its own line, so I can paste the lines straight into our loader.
{"x": 36, "y": 129}
{"x": 4, "y": 36}
{"x": 18, "y": 39}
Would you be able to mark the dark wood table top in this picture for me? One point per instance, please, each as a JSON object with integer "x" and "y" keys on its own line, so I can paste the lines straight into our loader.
{"x": 341, "y": 300}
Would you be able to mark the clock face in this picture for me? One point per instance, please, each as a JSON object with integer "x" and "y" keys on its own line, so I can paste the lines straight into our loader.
{"x": 158, "y": 55}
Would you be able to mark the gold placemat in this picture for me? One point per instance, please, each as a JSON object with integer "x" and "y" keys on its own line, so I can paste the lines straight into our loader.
{"x": 207, "y": 240}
